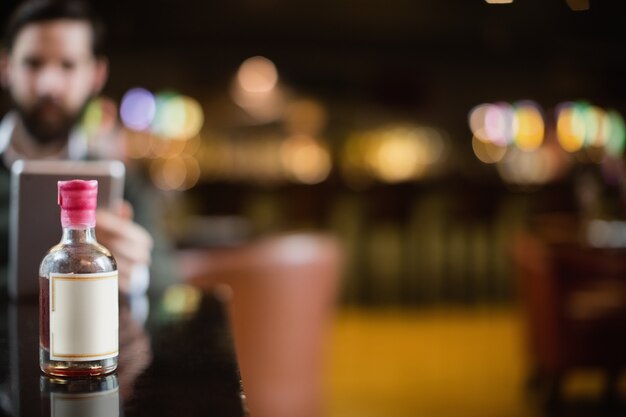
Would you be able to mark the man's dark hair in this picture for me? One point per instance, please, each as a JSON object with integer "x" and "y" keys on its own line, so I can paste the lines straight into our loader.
{"x": 35, "y": 11}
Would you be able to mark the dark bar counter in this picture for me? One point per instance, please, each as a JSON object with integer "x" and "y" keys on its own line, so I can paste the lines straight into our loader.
{"x": 171, "y": 364}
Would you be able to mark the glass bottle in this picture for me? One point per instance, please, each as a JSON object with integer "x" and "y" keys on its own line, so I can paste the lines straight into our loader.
{"x": 78, "y": 292}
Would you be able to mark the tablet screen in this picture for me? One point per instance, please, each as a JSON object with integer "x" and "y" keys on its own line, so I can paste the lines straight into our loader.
{"x": 35, "y": 216}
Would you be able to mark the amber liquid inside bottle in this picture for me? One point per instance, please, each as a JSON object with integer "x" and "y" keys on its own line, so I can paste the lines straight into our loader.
{"x": 44, "y": 313}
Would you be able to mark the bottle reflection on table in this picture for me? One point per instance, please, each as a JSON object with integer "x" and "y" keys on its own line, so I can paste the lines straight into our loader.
{"x": 84, "y": 397}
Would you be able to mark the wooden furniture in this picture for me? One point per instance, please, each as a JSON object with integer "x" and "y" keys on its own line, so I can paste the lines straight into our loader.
{"x": 574, "y": 299}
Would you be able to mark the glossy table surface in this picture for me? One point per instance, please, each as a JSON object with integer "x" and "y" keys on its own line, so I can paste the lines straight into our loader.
{"x": 171, "y": 364}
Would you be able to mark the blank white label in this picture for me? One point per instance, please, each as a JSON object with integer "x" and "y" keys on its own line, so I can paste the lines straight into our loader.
{"x": 84, "y": 317}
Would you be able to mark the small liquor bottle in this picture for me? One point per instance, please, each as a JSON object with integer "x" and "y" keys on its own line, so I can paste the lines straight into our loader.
{"x": 78, "y": 299}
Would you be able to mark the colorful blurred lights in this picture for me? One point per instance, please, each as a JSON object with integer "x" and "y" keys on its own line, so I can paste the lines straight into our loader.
{"x": 527, "y": 160}
{"x": 528, "y": 126}
{"x": 502, "y": 124}
{"x": 570, "y": 129}
{"x": 167, "y": 115}
{"x": 138, "y": 109}
{"x": 593, "y": 119}
{"x": 582, "y": 125}
{"x": 498, "y": 123}
{"x": 194, "y": 118}
{"x": 170, "y": 115}
{"x": 92, "y": 118}
{"x": 616, "y": 133}
{"x": 477, "y": 117}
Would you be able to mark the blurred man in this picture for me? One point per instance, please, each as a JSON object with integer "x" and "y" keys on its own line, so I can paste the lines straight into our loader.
{"x": 51, "y": 67}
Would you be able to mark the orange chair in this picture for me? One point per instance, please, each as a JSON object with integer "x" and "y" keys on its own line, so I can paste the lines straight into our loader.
{"x": 283, "y": 293}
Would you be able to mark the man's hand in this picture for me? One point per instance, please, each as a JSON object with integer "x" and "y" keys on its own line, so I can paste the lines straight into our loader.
{"x": 130, "y": 244}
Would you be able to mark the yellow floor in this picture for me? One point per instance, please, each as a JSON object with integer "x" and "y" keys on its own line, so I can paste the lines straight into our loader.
{"x": 443, "y": 362}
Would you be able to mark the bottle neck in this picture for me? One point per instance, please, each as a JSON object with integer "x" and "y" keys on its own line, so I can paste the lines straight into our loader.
{"x": 78, "y": 234}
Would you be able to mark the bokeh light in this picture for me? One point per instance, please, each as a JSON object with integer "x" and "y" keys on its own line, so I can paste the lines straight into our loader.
{"x": 581, "y": 125}
{"x": 393, "y": 154}
{"x": 181, "y": 300}
{"x": 178, "y": 173}
{"x": 534, "y": 155}
{"x": 193, "y": 172}
{"x": 137, "y": 109}
{"x": 588, "y": 131}
{"x": 99, "y": 120}
{"x": 527, "y": 168}
{"x": 305, "y": 159}
{"x": 194, "y": 119}
{"x": 499, "y": 124}
{"x": 492, "y": 123}
{"x": 615, "y": 133}
{"x": 528, "y": 126}
{"x": 92, "y": 118}
{"x": 595, "y": 134}
{"x": 487, "y": 152}
{"x": 570, "y": 127}
{"x": 256, "y": 90}
{"x": 502, "y": 124}
{"x": 168, "y": 115}
{"x": 257, "y": 75}
{"x": 398, "y": 158}
{"x": 476, "y": 119}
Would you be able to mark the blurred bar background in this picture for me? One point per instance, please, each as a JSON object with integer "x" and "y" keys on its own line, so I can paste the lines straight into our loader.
{"x": 425, "y": 135}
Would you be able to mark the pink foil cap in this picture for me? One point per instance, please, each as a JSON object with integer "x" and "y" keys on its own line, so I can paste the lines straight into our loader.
{"x": 78, "y": 200}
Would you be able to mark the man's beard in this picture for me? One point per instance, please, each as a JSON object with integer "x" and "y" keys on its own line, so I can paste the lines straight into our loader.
{"x": 45, "y": 130}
